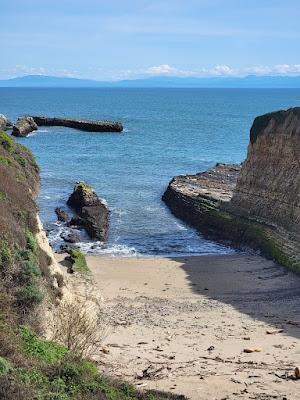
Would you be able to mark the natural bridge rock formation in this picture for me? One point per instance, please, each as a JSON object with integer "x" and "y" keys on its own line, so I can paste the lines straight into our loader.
{"x": 81, "y": 124}
{"x": 256, "y": 204}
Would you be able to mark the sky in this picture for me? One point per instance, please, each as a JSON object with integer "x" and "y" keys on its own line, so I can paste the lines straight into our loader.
{"x": 127, "y": 39}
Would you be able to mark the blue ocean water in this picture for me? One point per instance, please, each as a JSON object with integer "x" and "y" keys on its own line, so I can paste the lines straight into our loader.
{"x": 167, "y": 132}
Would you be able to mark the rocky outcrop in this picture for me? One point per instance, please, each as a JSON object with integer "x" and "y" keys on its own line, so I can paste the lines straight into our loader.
{"x": 256, "y": 204}
{"x": 81, "y": 124}
{"x": 5, "y": 124}
{"x": 93, "y": 213}
{"x": 24, "y": 126}
{"x": 197, "y": 199}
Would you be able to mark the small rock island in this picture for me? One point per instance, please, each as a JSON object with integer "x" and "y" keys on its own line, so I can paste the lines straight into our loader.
{"x": 93, "y": 213}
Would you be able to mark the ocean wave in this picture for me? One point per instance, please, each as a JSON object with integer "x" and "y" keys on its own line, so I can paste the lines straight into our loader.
{"x": 115, "y": 250}
{"x": 126, "y": 130}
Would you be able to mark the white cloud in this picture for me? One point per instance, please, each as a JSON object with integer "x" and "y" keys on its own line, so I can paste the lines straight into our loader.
{"x": 99, "y": 73}
{"x": 163, "y": 69}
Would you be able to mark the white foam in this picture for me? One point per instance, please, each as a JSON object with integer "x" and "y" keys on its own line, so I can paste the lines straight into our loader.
{"x": 117, "y": 250}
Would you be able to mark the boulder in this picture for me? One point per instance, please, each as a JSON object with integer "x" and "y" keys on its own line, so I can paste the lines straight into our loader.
{"x": 71, "y": 237}
{"x": 4, "y": 123}
{"x": 61, "y": 215}
{"x": 24, "y": 126}
{"x": 91, "y": 209}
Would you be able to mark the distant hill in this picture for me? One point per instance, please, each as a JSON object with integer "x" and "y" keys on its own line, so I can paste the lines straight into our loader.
{"x": 251, "y": 81}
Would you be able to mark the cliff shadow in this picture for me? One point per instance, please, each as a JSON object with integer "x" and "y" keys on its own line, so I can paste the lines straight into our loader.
{"x": 251, "y": 284}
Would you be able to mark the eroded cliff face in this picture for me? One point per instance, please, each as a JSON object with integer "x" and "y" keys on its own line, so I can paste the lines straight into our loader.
{"x": 268, "y": 186}
{"x": 257, "y": 205}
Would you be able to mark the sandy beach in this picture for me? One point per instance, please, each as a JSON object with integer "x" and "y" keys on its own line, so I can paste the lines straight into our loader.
{"x": 209, "y": 327}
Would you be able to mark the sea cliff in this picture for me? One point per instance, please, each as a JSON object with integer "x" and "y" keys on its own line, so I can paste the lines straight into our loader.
{"x": 255, "y": 204}
{"x": 39, "y": 301}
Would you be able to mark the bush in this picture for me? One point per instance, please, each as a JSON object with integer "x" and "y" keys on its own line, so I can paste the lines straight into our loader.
{"x": 31, "y": 242}
{"x": 7, "y": 141}
{"x": 6, "y": 256}
{"x": 78, "y": 261}
{"x": 3, "y": 196}
{"x": 5, "y": 160}
{"x": 29, "y": 272}
{"x": 29, "y": 297}
{"x": 79, "y": 329}
{"x": 5, "y": 366}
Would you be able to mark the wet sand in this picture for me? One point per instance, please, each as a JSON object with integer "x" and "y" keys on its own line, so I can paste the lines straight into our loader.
{"x": 183, "y": 325}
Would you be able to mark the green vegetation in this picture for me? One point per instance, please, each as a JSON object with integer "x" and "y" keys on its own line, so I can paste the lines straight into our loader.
{"x": 5, "y": 160}
{"x": 78, "y": 261}
{"x": 3, "y": 196}
{"x": 5, "y": 366}
{"x": 7, "y": 141}
{"x": 84, "y": 186}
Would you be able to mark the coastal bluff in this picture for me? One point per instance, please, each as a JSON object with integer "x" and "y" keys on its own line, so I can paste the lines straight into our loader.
{"x": 255, "y": 204}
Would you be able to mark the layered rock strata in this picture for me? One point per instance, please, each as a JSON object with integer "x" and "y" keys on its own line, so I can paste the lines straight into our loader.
{"x": 268, "y": 186}
{"x": 256, "y": 204}
{"x": 81, "y": 124}
{"x": 93, "y": 212}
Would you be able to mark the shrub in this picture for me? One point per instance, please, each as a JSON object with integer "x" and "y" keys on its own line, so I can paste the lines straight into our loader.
{"x": 78, "y": 261}
{"x": 21, "y": 160}
{"x": 29, "y": 297}
{"x": 5, "y": 366}
{"x": 5, "y": 254}
{"x": 3, "y": 196}
{"x": 29, "y": 272}
{"x": 31, "y": 242}
{"x": 79, "y": 329}
{"x": 5, "y": 160}
{"x": 7, "y": 141}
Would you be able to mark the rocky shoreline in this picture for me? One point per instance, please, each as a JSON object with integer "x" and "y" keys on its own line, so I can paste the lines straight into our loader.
{"x": 256, "y": 204}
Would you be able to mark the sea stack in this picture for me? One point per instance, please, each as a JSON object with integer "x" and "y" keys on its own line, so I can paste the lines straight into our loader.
{"x": 257, "y": 204}
{"x": 93, "y": 212}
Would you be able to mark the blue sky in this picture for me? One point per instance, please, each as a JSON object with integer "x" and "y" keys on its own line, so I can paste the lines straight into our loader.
{"x": 117, "y": 39}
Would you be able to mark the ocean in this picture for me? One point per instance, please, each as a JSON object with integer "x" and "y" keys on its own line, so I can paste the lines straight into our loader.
{"x": 167, "y": 132}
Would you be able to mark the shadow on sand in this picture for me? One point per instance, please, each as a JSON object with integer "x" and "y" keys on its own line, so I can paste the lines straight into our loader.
{"x": 251, "y": 284}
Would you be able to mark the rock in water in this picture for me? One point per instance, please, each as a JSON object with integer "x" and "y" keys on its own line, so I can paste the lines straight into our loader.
{"x": 93, "y": 212}
{"x": 24, "y": 126}
{"x": 81, "y": 124}
{"x": 61, "y": 215}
